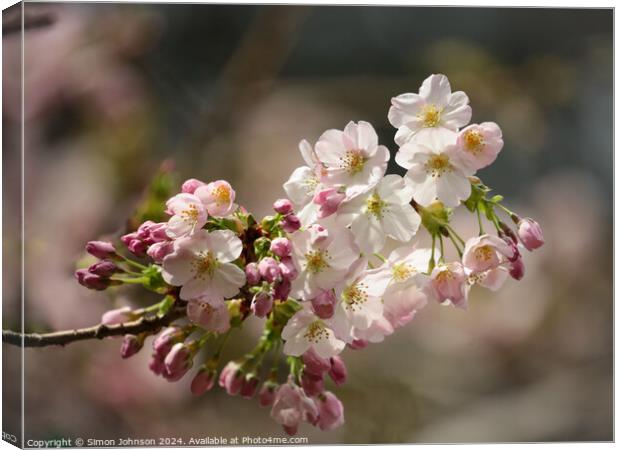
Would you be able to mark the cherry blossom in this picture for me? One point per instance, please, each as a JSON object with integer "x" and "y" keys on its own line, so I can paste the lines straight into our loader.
{"x": 188, "y": 215}
{"x": 306, "y": 331}
{"x": 435, "y": 106}
{"x": 352, "y": 158}
{"x": 209, "y": 313}
{"x": 435, "y": 169}
{"x": 479, "y": 144}
{"x": 201, "y": 264}
{"x": 321, "y": 261}
{"x": 217, "y": 197}
{"x": 381, "y": 212}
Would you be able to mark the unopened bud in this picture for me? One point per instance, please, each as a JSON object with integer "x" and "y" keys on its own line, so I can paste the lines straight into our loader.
{"x": 283, "y": 206}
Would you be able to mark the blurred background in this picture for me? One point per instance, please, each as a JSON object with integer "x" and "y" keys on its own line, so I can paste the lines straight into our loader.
{"x": 112, "y": 90}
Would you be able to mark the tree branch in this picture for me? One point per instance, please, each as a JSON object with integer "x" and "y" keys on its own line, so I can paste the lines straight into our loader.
{"x": 100, "y": 331}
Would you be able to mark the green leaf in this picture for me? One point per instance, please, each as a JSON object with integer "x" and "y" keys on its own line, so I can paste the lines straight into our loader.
{"x": 496, "y": 198}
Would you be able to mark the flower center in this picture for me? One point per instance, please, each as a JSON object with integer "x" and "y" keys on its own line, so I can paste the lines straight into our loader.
{"x": 375, "y": 206}
{"x": 315, "y": 332}
{"x": 484, "y": 253}
{"x": 221, "y": 195}
{"x": 401, "y": 272}
{"x": 316, "y": 260}
{"x": 205, "y": 264}
{"x": 437, "y": 165}
{"x": 311, "y": 184}
{"x": 430, "y": 116}
{"x": 444, "y": 276}
{"x": 354, "y": 296}
{"x": 474, "y": 141}
{"x": 353, "y": 161}
{"x": 190, "y": 215}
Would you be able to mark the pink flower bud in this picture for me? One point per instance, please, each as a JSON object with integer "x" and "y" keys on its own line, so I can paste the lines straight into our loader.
{"x": 178, "y": 361}
{"x": 262, "y": 304}
{"x": 288, "y": 269}
{"x": 291, "y": 223}
{"x": 131, "y": 345}
{"x": 160, "y": 250}
{"x": 91, "y": 281}
{"x": 231, "y": 378}
{"x": 312, "y": 384}
{"x": 281, "y": 247}
{"x": 283, "y": 206}
{"x": 252, "y": 275}
{"x": 328, "y": 200}
{"x": 530, "y": 233}
{"x": 324, "y": 303}
{"x": 163, "y": 343}
{"x": 358, "y": 344}
{"x": 267, "y": 393}
{"x": 151, "y": 232}
{"x": 116, "y": 316}
{"x": 517, "y": 269}
{"x": 203, "y": 381}
{"x": 338, "y": 371}
{"x": 282, "y": 289}
{"x": 190, "y": 186}
{"x": 137, "y": 247}
{"x": 104, "y": 268}
{"x": 269, "y": 269}
{"x": 250, "y": 384}
{"x": 331, "y": 411}
{"x": 315, "y": 364}
{"x": 101, "y": 249}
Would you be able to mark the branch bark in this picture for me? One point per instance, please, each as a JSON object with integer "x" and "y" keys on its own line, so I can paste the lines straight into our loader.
{"x": 62, "y": 338}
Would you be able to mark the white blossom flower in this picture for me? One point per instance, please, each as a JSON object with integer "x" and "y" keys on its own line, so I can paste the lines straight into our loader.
{"x": 436, "y": 106}
{"x": 480, "y": 144}
{"x": 359, "y": 303}
{"x": 435, "y": 169}
{"x": 403, "y": 280}
{"x": 304, "y": 183}
{"x": 305, "y": 330}
{"x": 188, "y": 214}
{"x": 218, "y": 197}
{"x": 383, "y": 211}
{"x": 352, "y": 158}
{"x": 202, "y": 265}
{"x": 322, "y": 258}
{"x": 209, "y": 313}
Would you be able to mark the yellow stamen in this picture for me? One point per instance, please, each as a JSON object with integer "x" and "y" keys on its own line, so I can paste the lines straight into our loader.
{"x": 316, "y": 331}
{"x": 316, "y": 260}
{"x": 484, "y": 253}
{"x": 205, "y": 264}
{"x": 437, "y": 165}
{"x": 402, "y": 271}
{"x": 375, "y": 206}
{"x": 353, "y": 161}
{"x": 354, "y": 296}
{"x": 474, "y": 141}
{"x": 430, "y": 116}
{"x": 221, "y": 195}
{"x": 190, "y": 215}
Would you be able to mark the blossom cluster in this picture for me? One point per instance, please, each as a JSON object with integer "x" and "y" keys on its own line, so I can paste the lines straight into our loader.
{"x": 315, "y": 271}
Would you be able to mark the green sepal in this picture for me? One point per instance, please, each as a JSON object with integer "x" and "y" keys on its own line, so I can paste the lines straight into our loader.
{"x": 154, "y": 280}
{"x": 165, "y": 305}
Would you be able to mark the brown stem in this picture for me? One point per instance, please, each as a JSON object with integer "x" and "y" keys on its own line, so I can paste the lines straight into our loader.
{"x": 144, "y": 324}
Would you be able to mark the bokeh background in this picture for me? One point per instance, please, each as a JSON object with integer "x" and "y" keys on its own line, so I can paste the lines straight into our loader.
{"x": 112, "y": 90}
